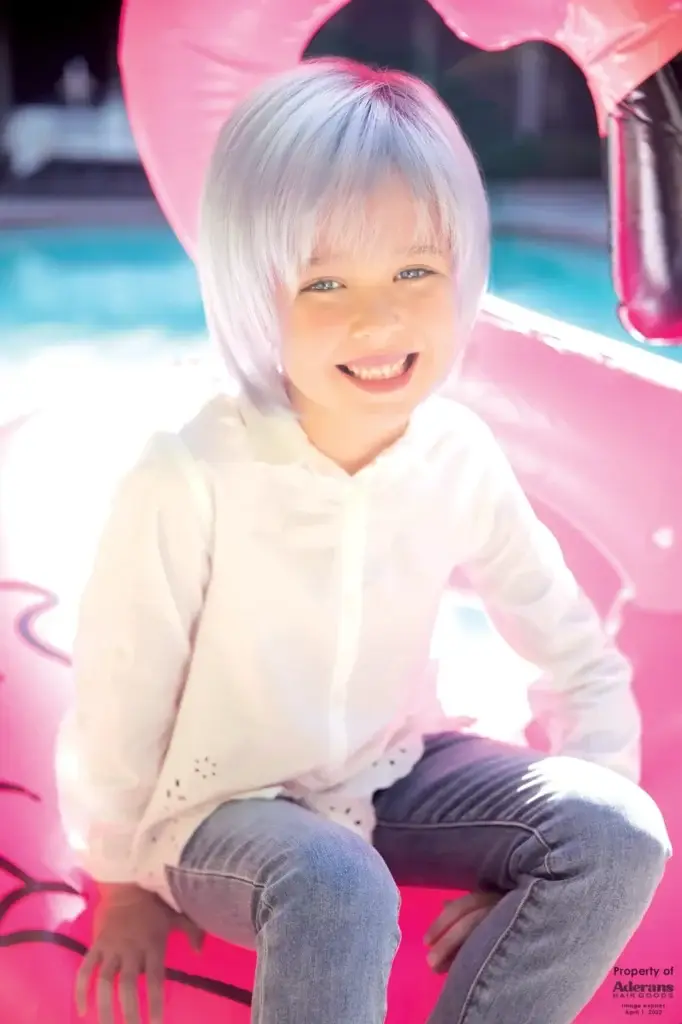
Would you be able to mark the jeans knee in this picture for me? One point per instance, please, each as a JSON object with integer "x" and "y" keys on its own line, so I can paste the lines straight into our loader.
{"x": 341, "y": 879}
{"x": 621, "y": 837}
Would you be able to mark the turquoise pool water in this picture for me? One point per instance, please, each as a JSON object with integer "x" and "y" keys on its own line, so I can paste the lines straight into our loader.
{"x": 94, "y": 286}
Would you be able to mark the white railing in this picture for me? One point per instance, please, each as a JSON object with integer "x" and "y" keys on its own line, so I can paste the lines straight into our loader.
{"x": 36, "y": 135}
{"x": 78, "y": 131}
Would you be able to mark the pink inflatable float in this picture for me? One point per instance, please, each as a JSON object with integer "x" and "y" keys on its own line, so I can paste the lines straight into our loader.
{"x": 592, "y": 428}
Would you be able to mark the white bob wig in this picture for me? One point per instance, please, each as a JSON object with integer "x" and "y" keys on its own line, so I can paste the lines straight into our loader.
{"x": 306, "y": 148}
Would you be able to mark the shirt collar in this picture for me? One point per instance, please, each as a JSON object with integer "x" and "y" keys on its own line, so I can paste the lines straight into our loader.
{"x": 278, "y": 438}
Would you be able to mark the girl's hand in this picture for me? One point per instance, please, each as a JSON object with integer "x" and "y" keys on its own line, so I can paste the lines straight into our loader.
{"x": 129, "y": 939}
{"x": 454, "y": 925}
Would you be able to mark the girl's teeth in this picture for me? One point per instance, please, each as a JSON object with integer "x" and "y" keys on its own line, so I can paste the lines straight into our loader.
{"x": 378, "y": 372}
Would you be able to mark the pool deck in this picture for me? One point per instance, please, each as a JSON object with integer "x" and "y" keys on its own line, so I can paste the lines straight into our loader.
{"x": 570, "y": 211}
{"x": 567, "y": 211}
{"x": 53, "y": 211}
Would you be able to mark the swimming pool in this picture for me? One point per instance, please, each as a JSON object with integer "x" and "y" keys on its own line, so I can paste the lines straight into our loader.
{"x": 118, "y": 287}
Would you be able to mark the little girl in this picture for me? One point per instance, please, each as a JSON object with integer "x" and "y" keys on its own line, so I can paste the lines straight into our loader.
{"x": 255, "y": 737}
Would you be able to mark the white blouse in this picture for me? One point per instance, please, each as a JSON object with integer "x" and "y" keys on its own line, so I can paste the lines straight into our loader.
{"x": 258, "y": 622}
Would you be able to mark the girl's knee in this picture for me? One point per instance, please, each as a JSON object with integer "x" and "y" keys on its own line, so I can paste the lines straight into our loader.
{"x": 612, "y": 828}
{"x": 630, "y": 836}
{"x": 339, "y": 877}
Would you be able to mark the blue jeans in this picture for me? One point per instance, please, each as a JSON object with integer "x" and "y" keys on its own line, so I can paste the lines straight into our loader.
{"x": 577, "y": 851}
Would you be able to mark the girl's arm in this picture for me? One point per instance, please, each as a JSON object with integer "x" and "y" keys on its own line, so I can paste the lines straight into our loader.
{"x": 131, "y": 654}
{"x": 518, "y": 569}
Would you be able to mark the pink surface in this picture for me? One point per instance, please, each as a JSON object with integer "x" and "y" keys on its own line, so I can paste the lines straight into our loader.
{"x": 596, "y": 449}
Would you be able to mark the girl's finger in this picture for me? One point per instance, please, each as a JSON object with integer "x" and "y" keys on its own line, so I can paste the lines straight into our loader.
{"x": 129, "y": 990}
{"x": 106, "y": 990}
{"x": 455, "y": 910}
{"x": 443, "y": 951}
{"x": 84, "y": 980}
{"x": 155, "y": 973}
{"x": 192, "y": 931}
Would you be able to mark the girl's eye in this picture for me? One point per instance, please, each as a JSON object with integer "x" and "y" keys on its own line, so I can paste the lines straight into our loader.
{"x": 414, "y": 273}
{"x": 326, "y": 285}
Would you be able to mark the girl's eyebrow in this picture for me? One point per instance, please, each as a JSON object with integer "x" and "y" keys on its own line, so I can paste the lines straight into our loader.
{"x": 414, "y": 250}
{"x": 425, "y": 250}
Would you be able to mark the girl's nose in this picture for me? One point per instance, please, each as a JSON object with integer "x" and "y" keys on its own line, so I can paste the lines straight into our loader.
{"x": 376, "y": 323}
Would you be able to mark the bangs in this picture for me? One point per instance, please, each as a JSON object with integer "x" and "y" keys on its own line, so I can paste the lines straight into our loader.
{"x": 340, "y": 170}
{"x": 345, "y": 224}
{"x": 304, "y": 157}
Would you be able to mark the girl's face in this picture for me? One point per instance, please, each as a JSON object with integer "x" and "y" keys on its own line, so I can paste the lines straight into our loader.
{"x": 372, "y": 332}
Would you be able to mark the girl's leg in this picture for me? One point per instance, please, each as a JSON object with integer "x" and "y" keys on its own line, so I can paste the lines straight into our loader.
{"x": 577, "y": 850}
{"x": 317, "y": 902}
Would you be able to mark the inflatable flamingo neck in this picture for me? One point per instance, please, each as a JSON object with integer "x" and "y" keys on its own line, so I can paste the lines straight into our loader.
{"x": 645, "y": 171}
